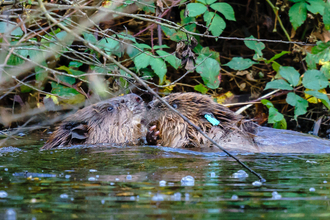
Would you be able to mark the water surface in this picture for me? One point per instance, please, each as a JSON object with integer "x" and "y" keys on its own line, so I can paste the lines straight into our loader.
{"x": 110, "y": 182}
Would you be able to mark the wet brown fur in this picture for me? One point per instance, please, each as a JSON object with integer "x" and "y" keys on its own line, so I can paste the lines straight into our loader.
{"x": 99, "y": 124}
{"x": 175, "y": 132}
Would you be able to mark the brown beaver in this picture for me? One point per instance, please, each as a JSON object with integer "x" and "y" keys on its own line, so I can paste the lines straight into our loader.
{"x": 168, "y": 129}
{"x": 117, "y": 120}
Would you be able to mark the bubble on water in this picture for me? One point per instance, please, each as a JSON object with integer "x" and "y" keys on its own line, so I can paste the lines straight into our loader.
{"x": 117, "y": 179}
{"x": 157, "y": 198}
{"x": 97, "y": 176}
{"x": 112, "y": 183}
{"x": 240, "y": 174}
{"x": 312, "y": 189}
{"x": 212, "y": 174}
{"x": 162, "y": 183}
{"x": 10, "y": 214}
{"x": 67, "y": 176}
{"x": 234, "y": 197}
{"x": 176, "y": 196}
{"x": 170, "y": 184}
{"x": 132, "y": 198}
{"x": 72, "y": 199}
{"x": 188, "y": 181}
{"x": 3, "y": 194}
{"x": 6, "y": 169}
{"x": 91, "y": 179}
{"x": 102, "y": 201}
{"x": 186, "y": 196}
{"x": 257, "y": 183}
{"x": 275, "y": 195}
{"x": 325, "y": 181}
{"x": 92, "y": 170}
{"x": 51, "y": 152}
{"x": 129, "y": 177}
{"x": 64, "y": 196}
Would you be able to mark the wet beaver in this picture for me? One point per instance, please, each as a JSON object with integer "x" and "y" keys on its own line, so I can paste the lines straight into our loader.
{"x": 117, "y": 120}
{"x": 168, "y": 129}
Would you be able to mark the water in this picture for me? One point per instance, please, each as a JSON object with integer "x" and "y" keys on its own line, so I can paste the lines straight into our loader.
{"x": 160, "y": 183}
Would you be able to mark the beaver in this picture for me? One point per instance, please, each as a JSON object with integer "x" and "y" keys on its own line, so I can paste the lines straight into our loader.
{"x": 118, "y": 120}
{"x": 168, "y": 129}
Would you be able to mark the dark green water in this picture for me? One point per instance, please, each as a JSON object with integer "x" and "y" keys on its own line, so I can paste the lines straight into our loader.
{"x": 125, "y": 183}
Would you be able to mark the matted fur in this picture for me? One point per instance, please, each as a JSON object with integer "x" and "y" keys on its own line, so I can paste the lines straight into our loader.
{"x": 175, "y": 132}
{"x": 99, "y": 124}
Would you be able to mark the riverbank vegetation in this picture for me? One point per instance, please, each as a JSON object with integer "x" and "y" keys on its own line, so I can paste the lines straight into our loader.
{"x": 267, "y": 59}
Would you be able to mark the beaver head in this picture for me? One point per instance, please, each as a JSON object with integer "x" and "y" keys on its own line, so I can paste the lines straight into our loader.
{"x": 173, "y": 131}
{"x": 117, "y": 120}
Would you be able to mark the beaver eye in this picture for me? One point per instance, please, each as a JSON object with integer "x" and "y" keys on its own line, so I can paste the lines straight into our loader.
{"x": 174, "y": 105}
{"x": 110, "y": 108}
{"x": 138, "y": 99}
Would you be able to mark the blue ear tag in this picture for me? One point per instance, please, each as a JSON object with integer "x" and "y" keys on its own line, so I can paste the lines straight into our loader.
{"x": 212, "y": 119}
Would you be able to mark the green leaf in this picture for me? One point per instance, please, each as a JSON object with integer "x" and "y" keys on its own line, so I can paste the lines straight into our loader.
{"x": 276, "y": 66}
{"x": 326, "y": 17}
{"x": 71, "y": 95}
{"x": 143, "y": 46}
{"x": 255, "y": 45}
{"x": 170, "y": 58}
{"x": 324, "y": 98}
{"x": 41, "y": 73}
{"x": 274, "y": 116}
{"x": 267, "y": 103}
{"x": 314, "y": 79}
{"x": 5, "y": 27}
{"x": 64, "y": 91}
{"x": 298, "y": 14}
{"x": 310, "y": 60}
{"x": 159, "y": 66}
{"x": 25, "y": 89}
{"x": 299, "y": 103}
{"x": 239, "y": 63}
{"x": 290, "y": 74}
{"x": 126, "y": 36}
{"x": 225, "y": 9}
{"x": 75, "y": 64}
{"x": 188, "y": 22}
{"x": 142, "y": 60}
{"x": 201, "y": 88}
{"x": 202, "y": 1}
{"x": 277, "y": 56}
{"x": 325, "y": 69}
{"x": 280, "y": 124}
{"x": 316, "y": 6}
{"x": 321, "y": 51}
{"x": 278, "y": 84}
{"x": 90, "y": 38}
{"x": 209, "y": 70}
{"x": 159, "y": 47}
{"x": 174, "y": 35}
{"x": 110, "y": 46}
{"x": 215, "y": 22}
{"x": 195, "y": 9}
{"x": 207, "y": 52}
{"x": 208, "y": 2}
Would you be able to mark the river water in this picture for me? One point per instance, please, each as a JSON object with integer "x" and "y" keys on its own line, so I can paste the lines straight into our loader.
{"x": 111, "y": 182}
